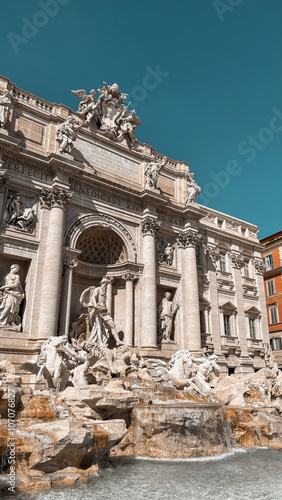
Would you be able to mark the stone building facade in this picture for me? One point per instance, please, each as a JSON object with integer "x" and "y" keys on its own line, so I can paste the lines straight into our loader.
{"x": 80, "y": 200}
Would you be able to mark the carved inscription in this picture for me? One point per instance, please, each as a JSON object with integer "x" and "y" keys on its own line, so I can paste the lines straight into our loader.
{"x": 106, "y": 160}
{"x": 30, "y": 172}
{"x": 106, "y": 198}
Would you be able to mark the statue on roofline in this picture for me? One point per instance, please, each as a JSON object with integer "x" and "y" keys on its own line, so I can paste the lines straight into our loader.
{"x": 5, "y": 106}
{"x": 109, "y": 113}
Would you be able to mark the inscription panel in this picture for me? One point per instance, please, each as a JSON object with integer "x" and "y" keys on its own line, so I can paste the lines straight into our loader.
{"x": 102, "y": 159}
{"x": 31, "y": 131}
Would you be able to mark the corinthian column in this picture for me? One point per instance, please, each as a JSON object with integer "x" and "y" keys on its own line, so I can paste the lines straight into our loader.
{"x": 191, "y": 330}
{"x": 149, "y": 286}
{"x": 70, "y": 265}
{"x": 55, "y": 200}
{"x": 129, "y": 307}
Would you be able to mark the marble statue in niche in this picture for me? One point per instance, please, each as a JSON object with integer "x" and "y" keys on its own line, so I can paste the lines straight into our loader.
{"x": 166, "y": 313}
{"x": 11, "y": 295}
{"x": 152, "y": 171}
{"x": 193, "y": 189}
{"x": 165, "y": 252}
{"x": 17, "y": 215}
{"x": 66, "y": 134}
{"x": 5, "y": 106}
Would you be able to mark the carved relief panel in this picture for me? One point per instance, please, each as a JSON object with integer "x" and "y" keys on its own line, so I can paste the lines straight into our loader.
{"x": 20, "y": 212}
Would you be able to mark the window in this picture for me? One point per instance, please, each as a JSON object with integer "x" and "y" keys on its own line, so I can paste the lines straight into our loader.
{"x": 246, "y": 268}
{"x": 227, "y": 329}
{"x": 243, "y": 231}
{"x": 220, "y": 223}
{"x": 270, "y": 287}
{"x": 252, "y": 325}
{"x": 276, "y": 343}
{"x": 273, "y": 314}
{"x": 222, "y": 262}
{"x": 268, "y": 262}
{"x": 202, "y": 321}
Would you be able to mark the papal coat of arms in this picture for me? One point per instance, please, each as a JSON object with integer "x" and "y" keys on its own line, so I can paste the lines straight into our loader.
{"x": 108, "y": 113}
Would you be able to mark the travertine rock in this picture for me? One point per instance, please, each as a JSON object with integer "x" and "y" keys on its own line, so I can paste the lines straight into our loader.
{"x": 180, "y": 430}
{"x": 255, "y": 427}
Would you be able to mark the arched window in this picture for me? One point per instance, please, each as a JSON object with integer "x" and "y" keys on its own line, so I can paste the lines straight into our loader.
{"x": 100, "y": 245}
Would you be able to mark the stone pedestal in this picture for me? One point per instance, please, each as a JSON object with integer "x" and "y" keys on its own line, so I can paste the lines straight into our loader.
{"x": 149, "y": 285}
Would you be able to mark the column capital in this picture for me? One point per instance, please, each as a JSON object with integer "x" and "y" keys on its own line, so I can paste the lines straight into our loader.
{"x": 189, "y": 238}
{"x": 150, "y": 226}
{"x": 212, "y": 252}
{"x": 128, "y": 276}
{"x": 237, "y": 261}
{"x": 258, "y": 264}
{"x": 54, "y": 197}
{"x": 69, "y": 263}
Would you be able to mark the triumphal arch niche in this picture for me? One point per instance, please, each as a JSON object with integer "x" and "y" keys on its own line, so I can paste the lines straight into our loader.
{"x": 102, "y": 236}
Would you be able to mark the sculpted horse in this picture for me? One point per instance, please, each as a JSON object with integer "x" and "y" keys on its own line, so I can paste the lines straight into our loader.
{"x": 50, "y": 366}
{"x": 174, "y": 375}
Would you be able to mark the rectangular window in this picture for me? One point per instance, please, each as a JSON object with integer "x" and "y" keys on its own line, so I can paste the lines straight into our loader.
{"x": 246, "y": 269}
{"x": 202, "y": 321}
{"x": 227, "y": 329}
{"x": 273, "y": 315}
{"x": 270, "y": 287}
{"x": 276, "y": 343}
{"x": 268, "y": 262}
{"x": 222, "y": 262}
{"x": 220, "y": 223}
{"x": 252, "y": 323}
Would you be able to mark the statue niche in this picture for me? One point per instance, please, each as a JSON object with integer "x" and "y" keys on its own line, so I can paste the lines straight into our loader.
{"x": 100, "y": 245}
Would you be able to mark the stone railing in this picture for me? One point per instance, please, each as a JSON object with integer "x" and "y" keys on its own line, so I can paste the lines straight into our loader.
{"x": 31, "y": 100}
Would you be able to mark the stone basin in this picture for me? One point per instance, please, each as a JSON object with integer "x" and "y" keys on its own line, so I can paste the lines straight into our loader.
{"x": 177, "y": 430}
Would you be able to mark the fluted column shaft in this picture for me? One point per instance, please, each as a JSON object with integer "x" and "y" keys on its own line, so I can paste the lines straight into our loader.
{"x": 149, "y": 285}
{"x": 70, "y": 266}
{"x": 109, "y": 300}
{"x": 190, "y": 300}
{"x": 56, "y": 200}
{"x": 129, "y": 308}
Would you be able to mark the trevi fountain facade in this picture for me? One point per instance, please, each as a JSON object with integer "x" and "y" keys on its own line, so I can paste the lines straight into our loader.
{"x": 132, "y": 319}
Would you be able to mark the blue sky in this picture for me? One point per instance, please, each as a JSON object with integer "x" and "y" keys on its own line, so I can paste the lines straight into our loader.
{"x": 205, "y": 77}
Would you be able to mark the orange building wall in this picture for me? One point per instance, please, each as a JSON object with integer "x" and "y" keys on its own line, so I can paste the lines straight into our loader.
{"x": 275, "y": 330}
